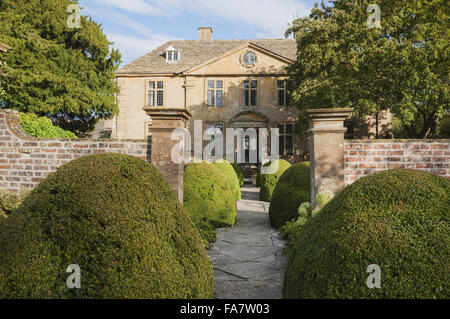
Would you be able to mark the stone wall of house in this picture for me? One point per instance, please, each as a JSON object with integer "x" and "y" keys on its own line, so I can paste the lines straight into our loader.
{"x": 364, "y": 157}
{"x": 25, "y": 161}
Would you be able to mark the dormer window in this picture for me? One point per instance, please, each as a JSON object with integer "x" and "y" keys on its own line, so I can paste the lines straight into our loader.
{"x": 172, "y": 55}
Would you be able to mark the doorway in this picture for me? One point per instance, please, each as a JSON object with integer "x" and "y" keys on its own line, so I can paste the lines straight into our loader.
{"x": 251, "y": 146}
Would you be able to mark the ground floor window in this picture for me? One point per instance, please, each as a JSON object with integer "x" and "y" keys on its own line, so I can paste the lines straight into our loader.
{"x": 217, "y": 126}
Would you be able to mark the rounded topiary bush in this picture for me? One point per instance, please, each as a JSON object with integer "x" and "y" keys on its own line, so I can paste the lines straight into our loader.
{"x": 118, "y": 219}
{"x": 239, "y": 173}
{"x": 397, "y": 219}
{"x": 291, "y": 190}
{"x": 258, "y": 176}
{"x": 208, "y": 195}
{"x": 268, "y": 181}
{"x": 229, "y": 172}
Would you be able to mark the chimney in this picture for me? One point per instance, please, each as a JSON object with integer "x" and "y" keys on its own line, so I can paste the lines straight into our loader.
{"x": 204, "y": 33}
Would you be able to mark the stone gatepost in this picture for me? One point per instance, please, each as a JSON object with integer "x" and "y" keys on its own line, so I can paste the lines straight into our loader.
{"x": 326, "y": 138}
{"x": 164, "y": 121}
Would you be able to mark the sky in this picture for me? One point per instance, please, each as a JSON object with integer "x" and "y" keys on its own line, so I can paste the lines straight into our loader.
{"x": 139, "y": 26}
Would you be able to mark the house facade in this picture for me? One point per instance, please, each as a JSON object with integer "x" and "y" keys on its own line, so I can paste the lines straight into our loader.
{"x": 223, "y": 83}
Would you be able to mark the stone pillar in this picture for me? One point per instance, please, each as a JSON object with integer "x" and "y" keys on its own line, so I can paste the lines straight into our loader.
{"x": 326, "y": 138}
{"x": 164, "y": 121}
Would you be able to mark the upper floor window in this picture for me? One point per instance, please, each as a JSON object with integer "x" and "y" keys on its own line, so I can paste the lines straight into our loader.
{"x": 215, "y": 93}
{"x": 285, "y": 139}
{"x": 249, "y": 93}
{"x": 284, "y": 98}
{"x": 172, "y": 55}
{"x": 155, "y": 93}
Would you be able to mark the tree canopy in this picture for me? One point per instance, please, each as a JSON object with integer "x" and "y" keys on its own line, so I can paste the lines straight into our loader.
{"x": 403, "y": 65}
{"x": 64, "y": 73}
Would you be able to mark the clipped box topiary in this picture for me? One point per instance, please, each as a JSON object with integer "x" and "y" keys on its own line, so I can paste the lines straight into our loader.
{"x": 118, "y": 219}
{"x": 397, "y": 219}
{"x": 268, "y": 181}
{"x": 239, "y": 173}
{"x": 258, "y": 176}
{"x": 208, "y": 195}
{"x": 291, "y": 190}
{"x": 229, "y": 172}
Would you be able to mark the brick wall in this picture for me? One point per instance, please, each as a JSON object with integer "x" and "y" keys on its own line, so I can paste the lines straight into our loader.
{"x": 25, "y": 161}
{"x": 364, "y": 157}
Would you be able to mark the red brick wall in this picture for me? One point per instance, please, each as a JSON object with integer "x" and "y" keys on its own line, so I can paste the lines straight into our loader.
{"x": 364, "y": 157}
{"x": 25, "y": 161}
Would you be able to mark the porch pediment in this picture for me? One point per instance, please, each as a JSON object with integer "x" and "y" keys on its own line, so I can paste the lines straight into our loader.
{"x": 249, "y": 119}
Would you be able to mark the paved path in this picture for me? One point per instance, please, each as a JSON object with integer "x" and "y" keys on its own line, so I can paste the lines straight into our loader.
{"x": 247, "y": 258}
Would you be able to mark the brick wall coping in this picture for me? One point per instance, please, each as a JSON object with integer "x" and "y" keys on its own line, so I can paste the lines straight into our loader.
{"x": 366, "y": 141}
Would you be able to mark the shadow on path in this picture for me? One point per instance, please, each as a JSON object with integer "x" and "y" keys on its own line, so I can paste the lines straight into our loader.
{"x": 247, "y": 258}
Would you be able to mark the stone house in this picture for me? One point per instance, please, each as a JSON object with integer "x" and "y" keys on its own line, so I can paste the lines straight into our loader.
{"x": 224, "y": 83}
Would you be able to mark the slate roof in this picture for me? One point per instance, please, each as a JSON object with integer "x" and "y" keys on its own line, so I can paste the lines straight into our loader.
{"x": 195, "y": 52}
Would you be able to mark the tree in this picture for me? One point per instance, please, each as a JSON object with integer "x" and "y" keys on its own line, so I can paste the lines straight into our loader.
{"x": 53, "y": 70}
{"x": 402, "y": 66}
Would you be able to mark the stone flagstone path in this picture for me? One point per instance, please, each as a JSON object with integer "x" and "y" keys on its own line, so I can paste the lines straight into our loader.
{"x": 247, "y": 258}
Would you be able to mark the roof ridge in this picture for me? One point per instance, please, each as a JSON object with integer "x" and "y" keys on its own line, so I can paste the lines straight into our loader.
{"x": 255, "y": 39}
{"x": 197, "y": 52}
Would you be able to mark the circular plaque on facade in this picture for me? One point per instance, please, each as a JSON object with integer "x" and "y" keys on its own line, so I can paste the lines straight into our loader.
{"x": 248, "y": 59}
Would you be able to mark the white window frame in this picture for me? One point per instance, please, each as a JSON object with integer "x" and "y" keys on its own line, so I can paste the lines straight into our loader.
{"x": 171, "y": 52}
{"x": 215, "y": 90}
{"x": 155, "y": 90}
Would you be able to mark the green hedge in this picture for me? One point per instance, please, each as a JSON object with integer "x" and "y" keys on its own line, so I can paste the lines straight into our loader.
{"x": 292, "y": 189}
{"x": 397, "y": 219}
{"x": 268, "y": 181}
{"x": 42, "y": 127}
{"x": 118, "y": 219}
{"x": 229, "y": 172}
{"x": 258, "y": 176}
{"x": 239, "y": 173}
{"x": 208, "y": 197}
